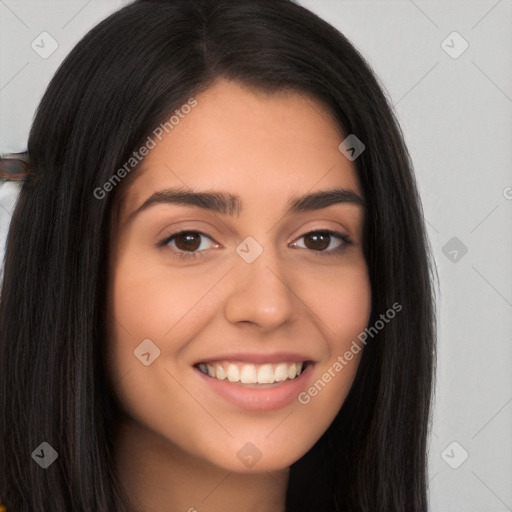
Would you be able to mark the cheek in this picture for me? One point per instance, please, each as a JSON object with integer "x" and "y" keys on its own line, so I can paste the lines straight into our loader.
{"x": 147, "y": 302}
{"x": 155, "y": 301}
{"x": 341, "y": 300}
{"x": 343, "y": 305}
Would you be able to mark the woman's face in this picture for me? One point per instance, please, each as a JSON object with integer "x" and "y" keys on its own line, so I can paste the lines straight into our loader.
{"x": 249, "y": 289}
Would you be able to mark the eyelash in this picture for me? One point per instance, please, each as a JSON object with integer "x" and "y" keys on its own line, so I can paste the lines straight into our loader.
{"x": 187, "y": 255}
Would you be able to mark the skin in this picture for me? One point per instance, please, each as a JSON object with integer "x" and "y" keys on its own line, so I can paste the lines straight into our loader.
{"x": 177, "y": 444}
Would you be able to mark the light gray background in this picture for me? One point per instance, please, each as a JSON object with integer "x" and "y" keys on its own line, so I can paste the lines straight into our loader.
{"x": 456, "y": 114}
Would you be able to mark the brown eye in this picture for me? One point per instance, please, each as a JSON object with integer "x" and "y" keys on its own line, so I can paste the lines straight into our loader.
{"x": 317, "y": 241}
{"x": 322, "y": 242}
{"x": 188, "y": 244}
{"x": 187, "y": 241}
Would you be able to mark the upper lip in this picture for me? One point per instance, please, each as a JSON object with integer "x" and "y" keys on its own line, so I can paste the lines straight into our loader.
{"x": 258, "y": 358}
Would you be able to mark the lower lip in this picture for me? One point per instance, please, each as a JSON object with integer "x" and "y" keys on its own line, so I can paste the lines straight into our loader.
{"x": 268, "y": 398}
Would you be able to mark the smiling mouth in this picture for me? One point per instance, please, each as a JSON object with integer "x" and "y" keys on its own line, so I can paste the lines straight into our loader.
{"x": 247, "y": 373}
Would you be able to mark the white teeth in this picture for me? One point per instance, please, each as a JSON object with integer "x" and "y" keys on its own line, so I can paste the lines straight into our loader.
{"x": 281, "y": 372}
{"x": 211, "y": 370}
{"x": 266, "y": 374}
{"x": 233, "y": 373}
{"x": 252, "y": 373}
{"x": 292, "y": 371}
{"x": 248, "y": 374}
{"x": 220, "y": 372}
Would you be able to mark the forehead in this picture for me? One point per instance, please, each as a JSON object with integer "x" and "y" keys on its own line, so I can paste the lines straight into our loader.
{"x": 249, "y": 142}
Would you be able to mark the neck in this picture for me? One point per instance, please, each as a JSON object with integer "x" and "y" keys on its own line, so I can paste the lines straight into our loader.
{"x": 158, "y": 476}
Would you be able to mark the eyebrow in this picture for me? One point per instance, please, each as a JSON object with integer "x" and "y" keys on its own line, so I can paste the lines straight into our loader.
{"x": 231, "y": 204}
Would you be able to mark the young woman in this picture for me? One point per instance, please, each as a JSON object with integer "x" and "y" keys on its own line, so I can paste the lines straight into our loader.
{"x": 217, "y": 287}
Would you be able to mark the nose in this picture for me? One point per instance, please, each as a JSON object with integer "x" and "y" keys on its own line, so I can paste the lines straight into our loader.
{"x": 261, "y": 293}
